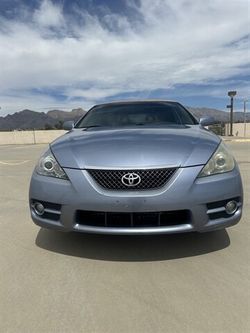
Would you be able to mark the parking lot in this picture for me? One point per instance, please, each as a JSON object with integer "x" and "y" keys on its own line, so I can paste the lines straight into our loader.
{"x": 60, "y": 282}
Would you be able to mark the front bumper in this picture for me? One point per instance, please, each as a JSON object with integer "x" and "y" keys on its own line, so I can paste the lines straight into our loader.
{"x": 184, "y": 192}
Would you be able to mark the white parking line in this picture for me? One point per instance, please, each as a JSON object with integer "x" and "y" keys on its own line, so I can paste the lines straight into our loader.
{"x": 21, "y": 146}
{"x": 14, "y": 162}
{"x": 30, "y": 146}
{"x": 237, "y": 140}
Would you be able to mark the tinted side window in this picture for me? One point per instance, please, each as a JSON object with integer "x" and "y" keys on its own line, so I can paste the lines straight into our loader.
{"x": 184, "y": 116}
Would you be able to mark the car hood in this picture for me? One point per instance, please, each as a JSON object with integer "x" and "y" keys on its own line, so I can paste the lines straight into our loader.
{"x": 135, "y": 147}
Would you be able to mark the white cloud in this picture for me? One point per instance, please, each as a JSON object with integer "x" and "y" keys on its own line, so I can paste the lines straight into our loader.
{"x": 174, "y": 42}
{"x": 48, "y": 15}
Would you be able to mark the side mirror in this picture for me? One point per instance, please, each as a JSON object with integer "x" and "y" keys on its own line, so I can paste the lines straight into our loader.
{"x": 207, "y": 121}
{"x": 68, "y": 125}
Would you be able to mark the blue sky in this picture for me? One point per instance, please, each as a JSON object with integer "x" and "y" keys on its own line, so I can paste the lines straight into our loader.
{"x": 76, "y": 53}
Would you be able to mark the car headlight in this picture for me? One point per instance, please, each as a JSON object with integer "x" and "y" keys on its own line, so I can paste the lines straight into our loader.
{"x": 221, "y": 161}
{"x": 48, "y": 166}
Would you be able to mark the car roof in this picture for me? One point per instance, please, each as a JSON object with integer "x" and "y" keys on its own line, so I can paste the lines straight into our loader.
{"x": 136, "y": 102}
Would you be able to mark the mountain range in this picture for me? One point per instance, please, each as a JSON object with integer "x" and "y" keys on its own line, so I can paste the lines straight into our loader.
{"x": 53, "y": 119}
{"x": 28, "y": 119}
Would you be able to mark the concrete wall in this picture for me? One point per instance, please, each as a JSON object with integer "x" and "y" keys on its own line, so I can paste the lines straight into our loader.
{"x": 33, "y": 137}
{"x": 29, "y": 137}
{"x": 238, "y": 129}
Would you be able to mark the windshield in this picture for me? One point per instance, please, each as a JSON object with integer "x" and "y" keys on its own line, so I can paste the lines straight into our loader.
{"x": 136, "y": 114}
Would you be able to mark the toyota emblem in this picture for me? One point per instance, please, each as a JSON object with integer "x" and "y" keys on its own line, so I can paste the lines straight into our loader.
{"x": 131, "y": 179}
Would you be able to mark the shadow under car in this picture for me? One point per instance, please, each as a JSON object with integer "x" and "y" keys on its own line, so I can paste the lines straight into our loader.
{"x": 132, "y": 248}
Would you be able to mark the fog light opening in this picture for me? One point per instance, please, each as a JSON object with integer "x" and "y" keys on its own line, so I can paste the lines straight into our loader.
{"x": 231, "y": 207}
{"x": 38, "y": 208}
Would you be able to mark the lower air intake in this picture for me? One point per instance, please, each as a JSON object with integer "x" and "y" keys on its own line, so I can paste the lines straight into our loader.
{"x": 132, "y": 220}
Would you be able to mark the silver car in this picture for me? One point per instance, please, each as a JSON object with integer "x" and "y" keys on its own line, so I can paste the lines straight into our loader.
{"x": 144, "y": 167}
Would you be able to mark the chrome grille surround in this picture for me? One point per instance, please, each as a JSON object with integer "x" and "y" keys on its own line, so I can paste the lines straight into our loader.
{"x": 150, "y": 178}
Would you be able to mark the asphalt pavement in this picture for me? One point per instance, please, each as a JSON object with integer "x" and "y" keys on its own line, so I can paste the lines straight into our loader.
{"x": 70, "y": 282}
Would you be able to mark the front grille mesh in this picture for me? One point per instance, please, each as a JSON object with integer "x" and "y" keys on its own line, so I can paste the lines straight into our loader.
{"x": 150, "y": 178}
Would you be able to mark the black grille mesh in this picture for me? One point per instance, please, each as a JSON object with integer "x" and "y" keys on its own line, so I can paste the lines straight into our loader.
{"x": 150, "y": 178}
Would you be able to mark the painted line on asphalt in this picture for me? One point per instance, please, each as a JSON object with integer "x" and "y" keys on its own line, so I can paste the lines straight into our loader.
{"x": 237, "y": 140}
{"x": 21, "y": 146}
{"x": 14, "y": 162}
{"x": 30, "y": 146}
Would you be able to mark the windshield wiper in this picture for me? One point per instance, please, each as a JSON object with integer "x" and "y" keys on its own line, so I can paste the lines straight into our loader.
{"x": 155, "y": 124}
{"x": 91, "y": 126}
